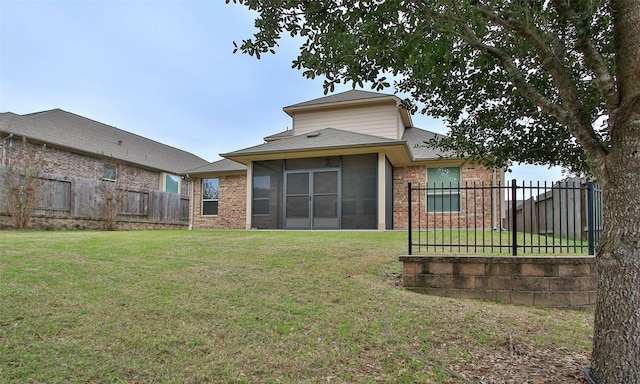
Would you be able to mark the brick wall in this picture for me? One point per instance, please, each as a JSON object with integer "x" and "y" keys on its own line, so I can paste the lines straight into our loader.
{"x": 232, "y": 195}
{"x": 71, "y": 164}
{"x": 73, "y": 167}
{"x": 473, "y": 210}
{"x": 72, "y": 223}
{"x": 564, "y": 282}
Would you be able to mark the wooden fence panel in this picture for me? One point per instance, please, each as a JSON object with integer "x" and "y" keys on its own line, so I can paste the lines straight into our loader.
{"x": 55, "y": 195}
{"x": 75, "y": 197}
{"x": 86, "y": 198}
{"x": 135, "y": 203}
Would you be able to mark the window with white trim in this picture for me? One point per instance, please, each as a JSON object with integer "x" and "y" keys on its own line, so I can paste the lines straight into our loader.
{"x": 210, "y": 189}
{"x": 171, "y": 183}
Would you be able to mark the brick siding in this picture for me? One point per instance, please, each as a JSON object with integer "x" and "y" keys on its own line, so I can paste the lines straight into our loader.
{"x": 232, "y": 206}
{"x": 65, "y": 163}
{"x": 417, "y": 175}
{"x": 61, "y": 164}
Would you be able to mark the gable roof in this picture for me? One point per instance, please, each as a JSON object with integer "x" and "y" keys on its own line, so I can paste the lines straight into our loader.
{"x": 279, "y": 135}
{"x": 353, "y": 95}
{"x": 66, "y": 130}
{"x": 350, "y": 98}
{"x": 224, "y": 166}
{"x": 417, "y": 139}
{"x": 325, "y": 141}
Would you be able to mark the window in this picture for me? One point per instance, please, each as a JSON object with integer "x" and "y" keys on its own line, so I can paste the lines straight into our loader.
{"x": 443, "y": 194}
{"x": 370, "y": 195}
{"x": 210, "y": 197}
{"x": 261, "y": 191}
{"x": 359, "y": 192}
{"x": 109, "y": 172}
{"x": 171, "y": 183}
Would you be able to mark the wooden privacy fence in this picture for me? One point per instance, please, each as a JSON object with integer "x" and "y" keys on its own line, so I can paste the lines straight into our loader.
{"x": 80, "y": 198}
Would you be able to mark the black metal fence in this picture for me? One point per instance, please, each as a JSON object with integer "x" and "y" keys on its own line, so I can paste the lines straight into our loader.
{"x": 564, "y": 217}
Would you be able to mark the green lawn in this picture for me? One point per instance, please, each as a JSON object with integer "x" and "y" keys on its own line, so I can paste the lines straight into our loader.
{"x": 245, "y": 306}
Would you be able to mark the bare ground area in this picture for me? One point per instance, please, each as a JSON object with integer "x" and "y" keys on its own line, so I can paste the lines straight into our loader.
{"x": 524, "y": 365}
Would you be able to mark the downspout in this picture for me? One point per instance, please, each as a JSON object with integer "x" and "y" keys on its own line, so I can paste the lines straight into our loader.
{"x": 191, "y": 201}
{"x": 4, "y": 149}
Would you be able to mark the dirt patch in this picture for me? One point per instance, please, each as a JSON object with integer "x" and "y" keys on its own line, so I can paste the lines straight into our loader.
{"x": 519, "y": 364}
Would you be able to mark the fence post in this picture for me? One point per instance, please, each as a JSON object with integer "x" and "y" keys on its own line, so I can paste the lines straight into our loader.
{"x": 590, "y": 220}
{"x": 409, "y": 212}
{"x": 514, "y": 218}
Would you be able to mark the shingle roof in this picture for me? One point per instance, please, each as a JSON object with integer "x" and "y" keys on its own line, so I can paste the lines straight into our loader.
{"x": 322, "y": 139}
{"x": 352, "y": 95}
{"x": 70, "y": 131}
{"x": 417, "y": 138}
{"x": 279, "y": 135}
{"x": 220, "y": 166}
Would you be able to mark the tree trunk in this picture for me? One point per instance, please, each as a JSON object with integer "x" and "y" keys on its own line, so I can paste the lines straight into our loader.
{"x": 616, "y": 339}
{"x": 616, "y": 349}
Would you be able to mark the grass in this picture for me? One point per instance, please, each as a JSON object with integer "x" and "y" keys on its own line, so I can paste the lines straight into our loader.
{"x": 242, "y": 306}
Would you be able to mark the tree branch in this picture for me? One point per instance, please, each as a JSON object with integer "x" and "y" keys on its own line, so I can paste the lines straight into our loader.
{"x": 593, "y": 59}
{"x": 572, "y": 114}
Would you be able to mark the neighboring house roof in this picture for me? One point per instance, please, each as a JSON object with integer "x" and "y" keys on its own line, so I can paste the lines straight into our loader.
{"x": 417, "y": 140}
{"x": 325, "y": 141}
{"x": 219, "y": 167}
{"x": 279, "y": 135}
{"x": 76, "y": 133}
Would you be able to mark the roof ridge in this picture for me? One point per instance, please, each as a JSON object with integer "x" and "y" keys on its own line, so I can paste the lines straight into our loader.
{"x": 341, "y": 97}
{"x": 69, "y": 130}
{"x": 119, "y": 129}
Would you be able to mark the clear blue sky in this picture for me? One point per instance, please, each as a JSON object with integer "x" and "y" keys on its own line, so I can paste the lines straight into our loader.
{"x": 161, "y": 69}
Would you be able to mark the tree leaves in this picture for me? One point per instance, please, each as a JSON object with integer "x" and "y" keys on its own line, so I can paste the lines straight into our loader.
{"x": 509, "y": 78}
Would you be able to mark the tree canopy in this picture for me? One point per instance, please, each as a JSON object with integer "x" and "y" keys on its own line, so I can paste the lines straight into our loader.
{"x": 524, "y": 81}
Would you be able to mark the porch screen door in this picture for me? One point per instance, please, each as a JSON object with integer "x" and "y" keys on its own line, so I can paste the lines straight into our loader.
{"x": 297, "y": 201}
{"x": 311, "y": 200}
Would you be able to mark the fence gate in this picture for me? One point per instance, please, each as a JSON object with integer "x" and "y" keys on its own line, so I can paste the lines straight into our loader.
{"x": 561, "y": 218}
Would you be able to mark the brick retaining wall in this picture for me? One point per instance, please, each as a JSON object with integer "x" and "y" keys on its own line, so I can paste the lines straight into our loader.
{"x": 564, "y": 282}
{"x": 73, "y": 223}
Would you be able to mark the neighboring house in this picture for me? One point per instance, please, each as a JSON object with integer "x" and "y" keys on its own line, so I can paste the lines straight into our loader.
{"x": 80, "y": 152}
{"x": 345, "y": 164}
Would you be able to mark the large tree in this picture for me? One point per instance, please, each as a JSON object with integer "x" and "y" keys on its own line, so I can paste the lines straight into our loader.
{"x": 553, "y": 82}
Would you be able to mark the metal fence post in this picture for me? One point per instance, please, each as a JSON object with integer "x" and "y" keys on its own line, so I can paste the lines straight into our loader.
{"x": 590, "y": 220}
{"x": 514, "y": 218}
{"x": 409, "y": 212}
